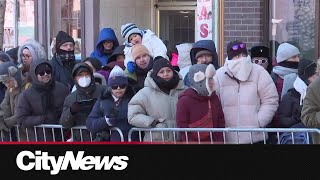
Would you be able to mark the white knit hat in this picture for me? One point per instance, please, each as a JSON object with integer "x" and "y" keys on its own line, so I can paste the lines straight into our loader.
{"x": 117, "y": 77}
{"x": 128, "y": 29}
{"x": 286, "y": 51}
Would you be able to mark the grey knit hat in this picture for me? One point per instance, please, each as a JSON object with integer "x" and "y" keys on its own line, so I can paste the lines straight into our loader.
{"x": 198, "y": 75}
{"x": 286, "y": 51}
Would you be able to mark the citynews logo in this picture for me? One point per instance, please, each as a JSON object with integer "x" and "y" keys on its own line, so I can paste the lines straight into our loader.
{"x": 42, "y": 161}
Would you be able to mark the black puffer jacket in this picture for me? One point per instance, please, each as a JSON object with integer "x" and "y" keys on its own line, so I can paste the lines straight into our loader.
{"x": 290, "y": 109}
{"x": 92, "y": 92}
{"x": 41, "y": 104}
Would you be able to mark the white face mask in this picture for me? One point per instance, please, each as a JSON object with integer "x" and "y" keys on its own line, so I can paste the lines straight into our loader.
{"x": 84, "y": 81}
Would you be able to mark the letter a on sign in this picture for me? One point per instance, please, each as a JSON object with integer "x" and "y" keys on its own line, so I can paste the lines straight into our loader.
{"x": 204, "y": 21}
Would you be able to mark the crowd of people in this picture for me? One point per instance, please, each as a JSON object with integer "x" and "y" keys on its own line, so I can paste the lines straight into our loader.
{"x": 141, "y": 84}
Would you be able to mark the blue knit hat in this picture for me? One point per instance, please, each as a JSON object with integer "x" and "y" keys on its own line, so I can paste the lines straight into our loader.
{"x": 117, "y": 77}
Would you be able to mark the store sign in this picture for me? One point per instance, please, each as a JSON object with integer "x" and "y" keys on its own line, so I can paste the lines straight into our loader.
{"x": 204, "y": 20}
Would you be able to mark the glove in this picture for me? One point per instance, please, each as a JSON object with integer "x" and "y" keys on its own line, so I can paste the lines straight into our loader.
{"x": 131, "y": 66}
{"x": 3, "y": 126}
{"x": 75, "y": 107}
{"x": 154, "y": 123}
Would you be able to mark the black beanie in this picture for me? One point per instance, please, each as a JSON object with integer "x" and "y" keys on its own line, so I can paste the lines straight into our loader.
{"x": 306, "y": 69}
{"x": 95, "y": 63}
{"x": 160, "y": 63}
{"x": 61, "y": 38}
{"x": 43, "y": 67}
{"x": 232, "y": 53}
{"x": 80, "y": 67}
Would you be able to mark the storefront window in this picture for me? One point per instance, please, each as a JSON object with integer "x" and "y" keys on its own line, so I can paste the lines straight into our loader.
{"x": 294, "y": 21}
{"x": 177, "y": 26}
{"x": 19, "y": 24}
{"x": 25, "y": 20}
{"x": 9, "y": 26}
{"x": 65, "y": 16}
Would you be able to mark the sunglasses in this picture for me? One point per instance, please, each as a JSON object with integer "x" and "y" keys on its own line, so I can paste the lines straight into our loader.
{"x": 118, "y": 86}
{"x": 45, "y": 71}
{"x": 260, "y": 61}
{"x": 238, "y": 46}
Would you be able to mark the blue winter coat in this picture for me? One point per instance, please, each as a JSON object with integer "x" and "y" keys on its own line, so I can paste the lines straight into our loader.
{"x": 96, "y": 121}
{"x": 106, "y": 34}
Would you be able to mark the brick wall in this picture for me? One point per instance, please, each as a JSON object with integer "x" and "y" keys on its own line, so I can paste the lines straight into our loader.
{"x": 243, "y": 20}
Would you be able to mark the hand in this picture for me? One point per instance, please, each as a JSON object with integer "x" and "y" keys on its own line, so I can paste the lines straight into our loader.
{"x": 3, "y": 126}
{"x": 75, "y": 107}
{"x": 131, "y": 66}
{"x": 154, "y": 123}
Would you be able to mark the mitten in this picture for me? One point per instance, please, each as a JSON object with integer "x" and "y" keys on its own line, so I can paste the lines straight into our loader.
{"x": 131, "y": 66}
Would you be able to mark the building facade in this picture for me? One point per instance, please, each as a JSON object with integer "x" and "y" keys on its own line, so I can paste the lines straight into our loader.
{"x": 256, "y": 22}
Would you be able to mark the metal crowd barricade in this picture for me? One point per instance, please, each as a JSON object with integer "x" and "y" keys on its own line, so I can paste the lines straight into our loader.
{"x": 176, "y": 132}
{"x": 58, "y": 133}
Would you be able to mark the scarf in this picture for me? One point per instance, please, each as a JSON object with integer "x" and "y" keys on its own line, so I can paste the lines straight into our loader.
{"x": 301, "y": 87}
{"x": 240, "y": 68}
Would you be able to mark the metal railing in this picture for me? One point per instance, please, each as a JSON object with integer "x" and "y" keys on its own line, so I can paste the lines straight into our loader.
{"x": 51, "y": 133}
{"x": 250, "y": 133}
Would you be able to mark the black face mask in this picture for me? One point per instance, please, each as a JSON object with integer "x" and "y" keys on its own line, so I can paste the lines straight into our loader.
{"x": 66, "y": 56}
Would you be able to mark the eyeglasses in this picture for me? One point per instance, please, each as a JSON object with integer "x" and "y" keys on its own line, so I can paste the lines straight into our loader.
{"x": 45, "y": 71}
{"x": 238, "y": 46}
{"x": 118, "y": 86}
{"x": 260, "y": 61}
{"x": 304, "y": 71}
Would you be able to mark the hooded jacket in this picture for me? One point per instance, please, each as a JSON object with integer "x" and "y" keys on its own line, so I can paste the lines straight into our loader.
{"x": 106, "y": 34}
{"x": 36, "y": 49}
{"x": 93, "y": 91}
{"x": 96, "y": 121}
{"x": 11, "y": 96}
{"x": 204, "y": 45}
{"x": 40, "y": 101}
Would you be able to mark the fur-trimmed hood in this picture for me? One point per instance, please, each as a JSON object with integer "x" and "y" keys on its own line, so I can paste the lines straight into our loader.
{"x": 35, "y": 48}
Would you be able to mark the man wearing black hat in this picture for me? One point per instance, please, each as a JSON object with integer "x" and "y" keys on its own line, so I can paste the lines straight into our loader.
{"x": 260, "y": 56}
{"x": 63, "y": 60}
